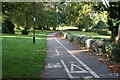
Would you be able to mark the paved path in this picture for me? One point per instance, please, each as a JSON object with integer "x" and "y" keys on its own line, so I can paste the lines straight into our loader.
{"x": 65, "y": 61}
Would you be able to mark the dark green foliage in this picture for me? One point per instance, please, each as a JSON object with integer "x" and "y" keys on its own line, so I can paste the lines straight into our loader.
{"x": 100, "y": 31}
{"x": 25, "y": 32}
{"x": 114, "y": 16}
{"x": 113, "y": 27}
{"x": 113, "y": 50}
{"x": 103, "y": 31}
{"x": 52, "y": 18}
{"x": 89, "y": 30}
{"x": 71, "y": 38}
{"x": 8, "y": 27}
{"x": 61, "y": 33}
{"x": 39, "y": 27}
{"x": 101, "y": 25}
{"x": 22, "y": 13}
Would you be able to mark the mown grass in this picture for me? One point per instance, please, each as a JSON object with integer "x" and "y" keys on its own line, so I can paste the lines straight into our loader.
{"x": 67, "y": 27}
{"x": 20, "y": 57}
{"x": 92, "y": 34}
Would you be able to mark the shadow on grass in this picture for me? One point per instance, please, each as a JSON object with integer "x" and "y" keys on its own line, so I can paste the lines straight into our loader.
{"x": 20, "y": 36}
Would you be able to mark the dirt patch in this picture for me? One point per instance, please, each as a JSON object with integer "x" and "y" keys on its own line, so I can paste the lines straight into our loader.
{"x": 58, "y": 35}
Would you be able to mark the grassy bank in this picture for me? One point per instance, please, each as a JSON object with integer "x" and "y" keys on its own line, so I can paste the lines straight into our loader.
{"x": 20, "y": 57}
{"x": 92, "y": 34}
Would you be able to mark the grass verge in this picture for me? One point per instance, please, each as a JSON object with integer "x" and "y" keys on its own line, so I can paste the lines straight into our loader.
{"x": 92, "y": 34}
{"x": 20, "y": 57}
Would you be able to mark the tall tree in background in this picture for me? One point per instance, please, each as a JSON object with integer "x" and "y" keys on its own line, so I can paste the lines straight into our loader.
{"x": 51, "y": 15}
{"x": 113, "y": 16}
{"x": 22, "y": 13}
{"x": 62, "y": 13}
{"x": 79, "y": 14}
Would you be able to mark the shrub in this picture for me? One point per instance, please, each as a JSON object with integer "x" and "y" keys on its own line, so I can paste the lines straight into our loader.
{"x": 101, "y": 25}
{"x": 100, "y": 31}
{"x": 24, "y": 32}
{"x": 82, "y": 40}
{"x": 70, "y": 37}
{"x": 113, "y": 50}
{"x": 89, "y": 30}
{"x": 75, "y": 39}
{"x": 8, "y": 27}
{"x": 61, "y": 33}
{"x": 103, "y": 31}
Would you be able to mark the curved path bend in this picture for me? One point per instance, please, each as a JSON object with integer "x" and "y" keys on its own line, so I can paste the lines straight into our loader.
{"x": 65, "y": 61}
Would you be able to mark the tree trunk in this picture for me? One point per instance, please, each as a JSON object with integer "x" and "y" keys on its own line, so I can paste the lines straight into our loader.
{"x": 26, "y": 23}
{"x": 79, "y": 27}
{"x": 118, "y": 36}
{"x": 54, "y": 28}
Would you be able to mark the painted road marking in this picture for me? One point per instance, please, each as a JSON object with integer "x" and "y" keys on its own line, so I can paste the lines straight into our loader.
{"x": 57, "y": 52}
{"x": 73, "y": 66}
{"x": 83, "y": 64}
{"x": 53, "y": 65}
{"x": 66, "y": 69}
{"x": 87, "y": 77}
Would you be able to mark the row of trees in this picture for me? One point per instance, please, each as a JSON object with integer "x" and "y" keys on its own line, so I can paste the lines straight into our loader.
{"x": 22, "y": 15}
{"x": 53, "y": 14}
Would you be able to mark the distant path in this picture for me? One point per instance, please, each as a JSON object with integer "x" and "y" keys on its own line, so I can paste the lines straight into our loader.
{"x": 65, "y": 61}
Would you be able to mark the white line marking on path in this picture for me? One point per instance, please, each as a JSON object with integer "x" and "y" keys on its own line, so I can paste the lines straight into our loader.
{"x": 83, "y": 64}
{"x": 79, "y": 71}
{"x": 67, "y": 70}
{"x": 87, "y": 77}
{"x": 53, "y": 65}
{"x": 57, "y": 51}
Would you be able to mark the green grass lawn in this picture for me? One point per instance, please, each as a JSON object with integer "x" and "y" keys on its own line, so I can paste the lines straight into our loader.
{"x": 92, "y": 34}
{"x": 67, "y": 27}
{"x": 20, "y": 57}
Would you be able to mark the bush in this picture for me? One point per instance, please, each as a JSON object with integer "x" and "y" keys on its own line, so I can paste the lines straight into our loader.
{"x": 103, "y": 31}
{"x": 70, "y": 37}
{"x": 89, "y": 30}
{"x": 101, "y": 25}
{"x": 61, "y": 33}
{"x": 82, "y": 40}
{"x": 24, "y": 32}
{"x": 113, "y": 50}
{"x": 8, "y": 27}
{"x": 75, "y": 39}
{"x": 100, "y": 31}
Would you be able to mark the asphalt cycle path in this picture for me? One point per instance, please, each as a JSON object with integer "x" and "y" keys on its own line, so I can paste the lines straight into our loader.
{"x": 66, "y": 61}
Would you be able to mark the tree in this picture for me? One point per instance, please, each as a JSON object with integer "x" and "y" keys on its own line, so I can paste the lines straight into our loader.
{"x": 113, "y": 16}
{"x": 51, "y": 15}
{"x": 8, "y": 27}
{"x": 22, "y": 13}
{"x": 118, "y": 35}
{"x": 79, "y": 14}
{"x": 62, "y": 13}
{"x": 52, "y": 18}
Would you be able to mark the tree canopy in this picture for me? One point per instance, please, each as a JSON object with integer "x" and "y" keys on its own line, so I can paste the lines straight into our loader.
{"x": 53, "y": 14}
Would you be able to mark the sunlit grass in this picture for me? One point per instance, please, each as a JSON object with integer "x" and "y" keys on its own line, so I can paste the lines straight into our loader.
{"x": 20, "y": 57}
{"x": 92, "y": 34}
{"x": 67, "y": 27}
